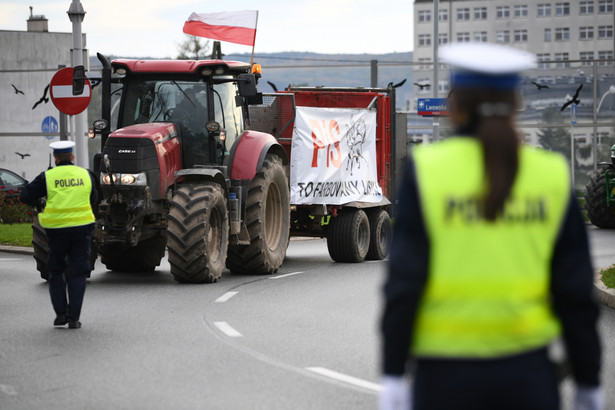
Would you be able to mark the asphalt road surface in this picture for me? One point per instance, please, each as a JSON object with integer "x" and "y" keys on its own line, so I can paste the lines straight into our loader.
{"x": 304, "y": 338}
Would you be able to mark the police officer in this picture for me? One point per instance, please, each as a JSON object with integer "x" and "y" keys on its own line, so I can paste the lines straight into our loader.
{"x": 68, "y": 221}
{"x": 489, "y": 261}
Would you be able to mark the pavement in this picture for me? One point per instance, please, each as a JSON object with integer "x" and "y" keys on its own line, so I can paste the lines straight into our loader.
{"x": 605, "y": 295}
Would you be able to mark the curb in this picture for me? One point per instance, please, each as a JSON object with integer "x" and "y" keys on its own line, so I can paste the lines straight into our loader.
{"x": 605, "y": 295}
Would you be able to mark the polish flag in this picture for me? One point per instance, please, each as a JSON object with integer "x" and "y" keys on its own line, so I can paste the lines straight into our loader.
{"x": 235, "y": 27}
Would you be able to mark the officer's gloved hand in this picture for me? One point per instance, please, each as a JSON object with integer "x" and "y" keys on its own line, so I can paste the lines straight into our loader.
{"x": 40, "y": 204}
{"x": 588, "y": 398}
{"x": 396, "y": 394}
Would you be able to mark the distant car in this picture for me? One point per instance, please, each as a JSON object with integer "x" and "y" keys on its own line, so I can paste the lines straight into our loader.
{"x": 11, "y": 184}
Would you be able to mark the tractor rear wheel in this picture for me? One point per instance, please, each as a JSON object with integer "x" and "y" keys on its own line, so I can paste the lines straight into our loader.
{"x": 198, "y": 232}
{"x": 268, "y": 221}
{"x": 348, "y": 236}
{"x": 595, "y": 201}
{"x": 380, "y": 234}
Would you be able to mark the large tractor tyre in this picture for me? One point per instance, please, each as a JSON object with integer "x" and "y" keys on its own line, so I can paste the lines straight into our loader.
{"x": 198, "y": 233}
{"x": 380, "y": 234}
{"x": 141, "y": 258}
{"x": 41, "y": 250}
{"x": 348, "y": 236}
{"x": 595, "y": 201}
{"x": 268, "y": 221}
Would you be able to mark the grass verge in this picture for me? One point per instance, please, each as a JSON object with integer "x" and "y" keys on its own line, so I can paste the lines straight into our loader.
{"x": 16, "y": 234}
{"x": 608, "y": 276}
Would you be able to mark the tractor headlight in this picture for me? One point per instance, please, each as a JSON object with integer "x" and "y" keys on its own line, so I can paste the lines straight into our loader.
{"x": 139, "y": 179}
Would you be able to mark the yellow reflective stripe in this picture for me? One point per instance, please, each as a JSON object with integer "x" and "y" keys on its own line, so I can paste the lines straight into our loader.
{"x": 67, "y": 210}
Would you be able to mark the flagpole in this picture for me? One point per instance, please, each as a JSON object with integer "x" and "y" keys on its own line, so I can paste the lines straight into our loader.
{"x": 254, "y": 41}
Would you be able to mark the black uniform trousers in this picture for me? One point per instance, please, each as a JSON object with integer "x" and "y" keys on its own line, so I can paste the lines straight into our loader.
{"x": 526, "y": 381}
{"x": 70, "y": 245}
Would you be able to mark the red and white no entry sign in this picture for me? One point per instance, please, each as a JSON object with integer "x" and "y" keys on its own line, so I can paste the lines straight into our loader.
{"x": 61, "y": 89}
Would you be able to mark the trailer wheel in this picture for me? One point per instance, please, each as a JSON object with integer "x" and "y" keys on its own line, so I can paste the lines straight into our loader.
{"x": 348, "y": 236}
{"x": 141, "y": 258}
{"x": 41, "y": 249}
{"x": 268, "y": 220}
{"x": 198, "y": 233}
{"x": 595, "y": 201}
{"x": 380, "y": 234}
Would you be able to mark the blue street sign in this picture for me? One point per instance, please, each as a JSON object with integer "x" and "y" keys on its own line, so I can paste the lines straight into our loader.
{"x": 432, "y": 106}
{"x": 49, "y": 124}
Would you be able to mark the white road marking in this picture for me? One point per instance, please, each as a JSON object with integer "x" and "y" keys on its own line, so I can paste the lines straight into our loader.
{"x": 345, "y": 378}
{"x": 226, "y": 297}
{"x": 227, "y": 329}
{"x": 285, "y": 275}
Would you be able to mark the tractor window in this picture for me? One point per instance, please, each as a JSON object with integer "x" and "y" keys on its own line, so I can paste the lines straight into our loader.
{"x": 228, "y": 114}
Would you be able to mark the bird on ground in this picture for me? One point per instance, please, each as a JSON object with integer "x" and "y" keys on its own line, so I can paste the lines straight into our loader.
{"x": 17, "y": 91}
{"x": 44, "y": 98}
{"x": 540, "y": 86}
{"x": 22, "y": 155}
{"x": 574, "y": 99}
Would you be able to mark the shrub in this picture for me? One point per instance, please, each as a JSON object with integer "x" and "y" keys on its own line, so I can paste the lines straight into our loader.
{"x": 13, "y": 211}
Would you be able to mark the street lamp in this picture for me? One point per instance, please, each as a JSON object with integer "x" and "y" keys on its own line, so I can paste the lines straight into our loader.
{"x": 611, "y": 90}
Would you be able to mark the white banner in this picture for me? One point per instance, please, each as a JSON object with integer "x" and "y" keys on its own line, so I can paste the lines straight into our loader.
{"x": 333, "y": 158}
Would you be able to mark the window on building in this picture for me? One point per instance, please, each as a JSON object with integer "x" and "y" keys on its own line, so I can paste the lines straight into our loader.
{"x": 443, "y": 14}
{"x": 561, "y": 60}
{"x": 521, "y": 11}
{"x": 562, "y": 9}
{"x": 541, "y": 58}
{"x": 605, "y": 6}
{"x": 502, "y": 12}
{"x": 547, "y": 34}
{"x": 442, "y": 38}
{"x": 586, "y": 33}
{"x": 443, "y": 86}
{"x": 480, "y": 36}
{"x": 480, "y": 13}
{"x": 424, "y": 16}
{"x": 586, "y": 7}
{"x": 463, "y": 37}
{"x": 463, "y": 14}
{"x": 503, "y": 37}
{"x": 520, "y": 36}
{"x": 424, "y": 63}
{"x": 562, "y": 34}
{"x": 544, "y": 10}
{"x": 424, "y": 40}
{"x": 605, "y": 32}
{"x": 605, "y": 55}
{"x": 586, "y": 56}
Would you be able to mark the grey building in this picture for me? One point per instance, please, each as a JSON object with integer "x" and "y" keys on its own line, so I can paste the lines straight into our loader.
{"x": 28, "y": 119}
{"x": 556, "y": 31}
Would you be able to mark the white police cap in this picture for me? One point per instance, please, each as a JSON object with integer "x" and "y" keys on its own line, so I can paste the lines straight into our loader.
{"x": 486, "y": 58}
{"x": 59, "y": 147}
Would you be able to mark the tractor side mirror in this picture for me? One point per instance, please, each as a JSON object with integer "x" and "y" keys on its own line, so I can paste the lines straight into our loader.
{"x": 247, "y": 85}
{"x": 78, "y": 79}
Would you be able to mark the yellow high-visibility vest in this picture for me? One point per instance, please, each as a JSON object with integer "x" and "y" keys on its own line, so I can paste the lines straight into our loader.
{"x": 487, "y": 293}
{"x": 68, "y": 198}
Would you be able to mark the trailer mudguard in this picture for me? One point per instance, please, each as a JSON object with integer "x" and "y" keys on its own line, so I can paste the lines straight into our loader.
{"x": 248, "y": 153}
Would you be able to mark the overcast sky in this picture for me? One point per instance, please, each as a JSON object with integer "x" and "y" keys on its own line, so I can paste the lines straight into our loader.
{"x": 153, "y": 28}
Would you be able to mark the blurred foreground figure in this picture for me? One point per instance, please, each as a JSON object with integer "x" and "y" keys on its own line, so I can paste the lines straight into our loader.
{"x": 490, "y": 261}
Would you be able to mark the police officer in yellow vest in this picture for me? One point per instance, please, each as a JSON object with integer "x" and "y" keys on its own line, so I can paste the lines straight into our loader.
{"x": 68, "y": 220}
{"x": 489, "y": 261}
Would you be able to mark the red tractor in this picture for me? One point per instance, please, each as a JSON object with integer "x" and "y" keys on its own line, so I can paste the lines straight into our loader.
{"x": 182, "y": 171}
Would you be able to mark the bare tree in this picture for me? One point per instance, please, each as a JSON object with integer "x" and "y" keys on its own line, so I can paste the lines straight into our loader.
{"x": 193, "y": 47}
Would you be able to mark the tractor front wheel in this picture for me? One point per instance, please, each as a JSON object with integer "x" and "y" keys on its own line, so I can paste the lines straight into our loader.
{"x": 595, "y": 201}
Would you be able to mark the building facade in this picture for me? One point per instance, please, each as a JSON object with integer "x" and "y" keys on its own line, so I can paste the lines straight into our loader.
{"x": 556, "y": 31}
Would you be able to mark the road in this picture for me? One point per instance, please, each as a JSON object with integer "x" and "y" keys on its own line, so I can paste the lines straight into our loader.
{"x": 305, "y": 338}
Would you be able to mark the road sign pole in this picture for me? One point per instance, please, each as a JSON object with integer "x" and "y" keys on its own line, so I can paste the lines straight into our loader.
{"x": 76, "y": 15}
